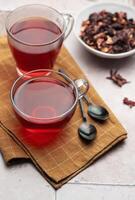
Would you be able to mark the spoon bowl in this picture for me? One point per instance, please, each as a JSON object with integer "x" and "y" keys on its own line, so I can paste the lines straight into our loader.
{"x": 98, "y": 112}
{"x": 87, "y": 131}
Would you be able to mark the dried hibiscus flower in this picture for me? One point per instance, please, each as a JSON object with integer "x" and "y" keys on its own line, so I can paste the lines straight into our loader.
{"x": 109, "y": 32}
{"x": 117, "y": 78}
{"x": 128, "y": 102}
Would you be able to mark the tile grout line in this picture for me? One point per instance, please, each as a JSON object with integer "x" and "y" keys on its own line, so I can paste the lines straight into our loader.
{"x": 103, "y": 184}
{"x": 55, "y": 194}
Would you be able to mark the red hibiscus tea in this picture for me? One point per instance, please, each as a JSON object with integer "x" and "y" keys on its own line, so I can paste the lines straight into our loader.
{"x": 35, "y": 34}
{"x": 43, "y": 105}
{"x": 34, "y": 47}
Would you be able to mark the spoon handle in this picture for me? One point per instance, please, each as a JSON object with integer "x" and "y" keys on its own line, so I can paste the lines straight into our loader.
{"x": 85, "y": 97}
{"x": 88, "y": 101}
{"x": 82, "y": 110}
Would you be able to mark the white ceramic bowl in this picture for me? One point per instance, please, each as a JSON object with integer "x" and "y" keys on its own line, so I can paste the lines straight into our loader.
{"x": 97, "y": 7}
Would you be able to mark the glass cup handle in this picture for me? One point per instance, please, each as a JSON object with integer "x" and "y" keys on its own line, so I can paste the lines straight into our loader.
{"x": 69, "y": 23}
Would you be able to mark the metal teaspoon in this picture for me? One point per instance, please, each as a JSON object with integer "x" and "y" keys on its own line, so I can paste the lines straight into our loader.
{"x": 95, "y": 111}
{"x": 86, "y": 131}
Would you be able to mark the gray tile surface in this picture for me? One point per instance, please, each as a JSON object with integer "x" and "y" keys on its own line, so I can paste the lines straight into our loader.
{"x": 23, "y": 182}
{"x": 95, "y": 192}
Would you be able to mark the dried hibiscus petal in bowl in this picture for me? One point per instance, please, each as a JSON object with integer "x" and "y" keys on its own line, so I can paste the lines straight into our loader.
{"x": 109, "y": 32}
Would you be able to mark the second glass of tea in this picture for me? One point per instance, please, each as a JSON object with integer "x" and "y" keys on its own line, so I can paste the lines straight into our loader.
{"x": 44, "y": 103}
{"x": 35, "y": 36}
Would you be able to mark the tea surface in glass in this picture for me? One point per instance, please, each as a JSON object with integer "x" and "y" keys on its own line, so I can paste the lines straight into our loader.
{"x": 43, "y": 100}
{"x": 35, "y": 32}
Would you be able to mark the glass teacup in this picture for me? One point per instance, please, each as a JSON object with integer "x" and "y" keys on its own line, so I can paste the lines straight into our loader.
{"x": 44, "y": 102}
{"x": 35, "y": 36}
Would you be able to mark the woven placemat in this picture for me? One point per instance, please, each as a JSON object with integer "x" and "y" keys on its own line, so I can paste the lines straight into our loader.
{"x": 68, "y": 155}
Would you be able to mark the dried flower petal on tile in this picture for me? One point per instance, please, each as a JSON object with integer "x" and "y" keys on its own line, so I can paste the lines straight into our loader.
{"x": 117, "y": 78}
{"x": 128, "y": 102}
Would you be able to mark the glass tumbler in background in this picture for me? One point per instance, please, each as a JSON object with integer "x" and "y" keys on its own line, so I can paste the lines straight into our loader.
{"x": 35, "y": 35}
